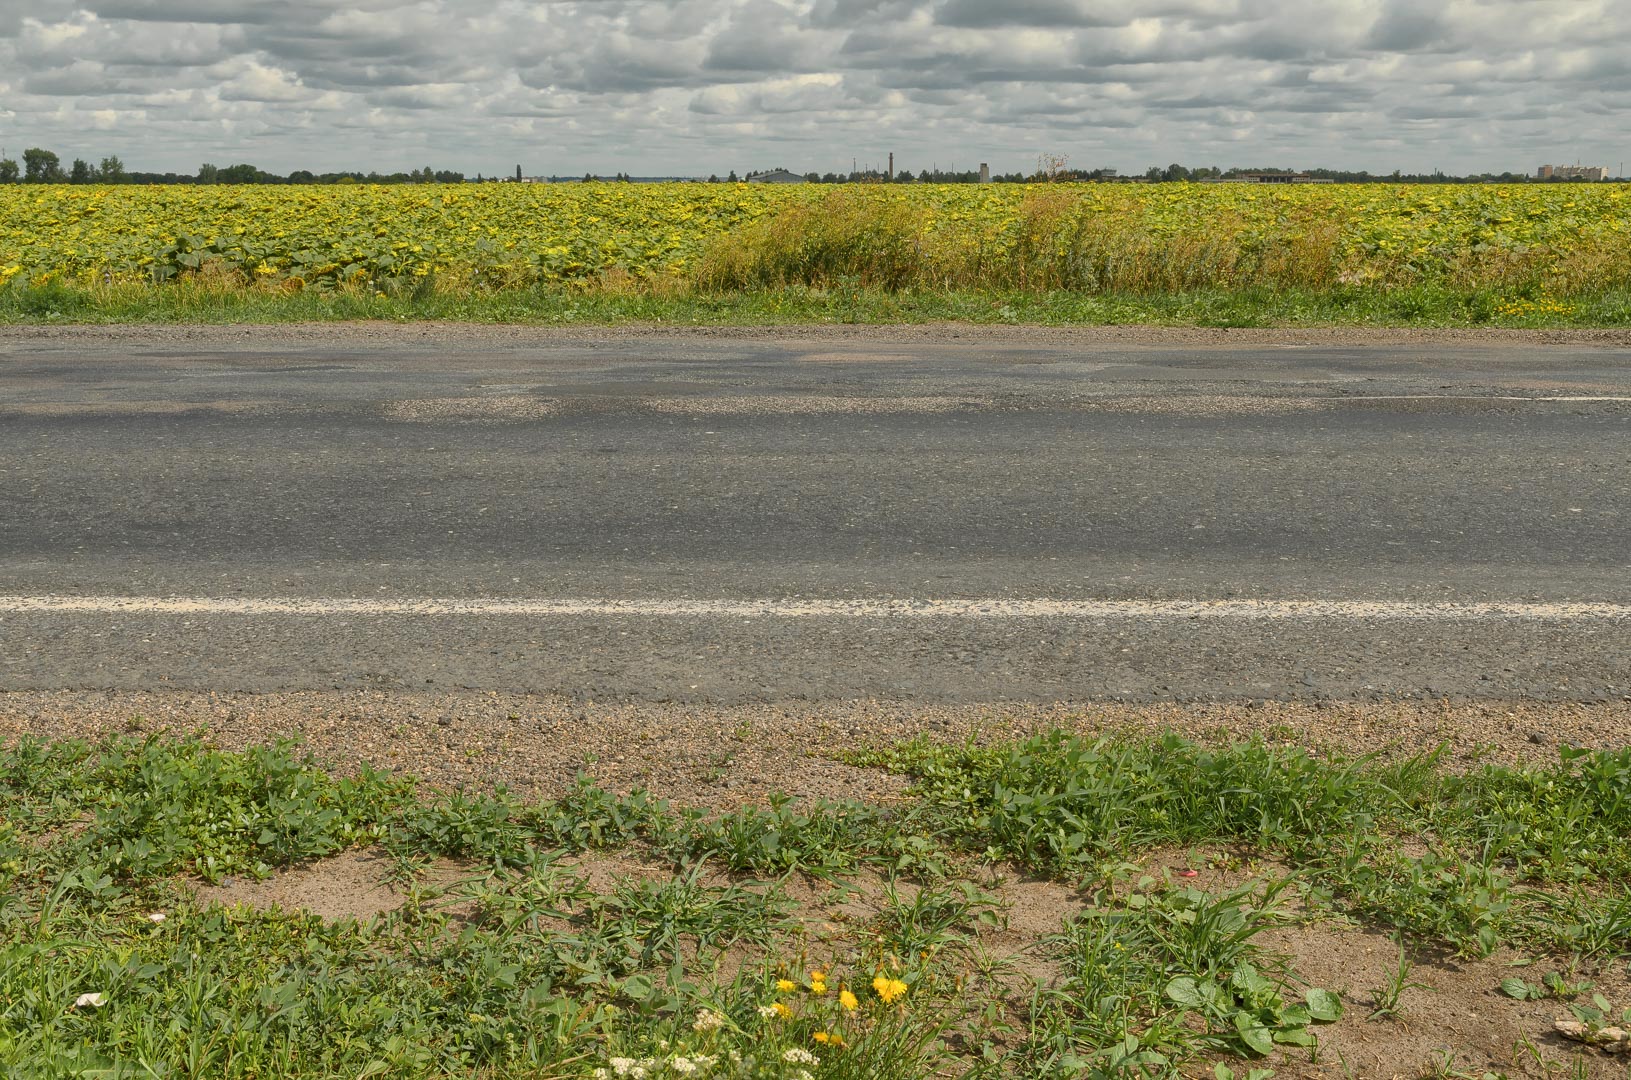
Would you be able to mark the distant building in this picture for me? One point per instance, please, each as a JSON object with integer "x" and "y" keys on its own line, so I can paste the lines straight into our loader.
{"x": 1571, "y": 172}
{"x": 985, "y": 173}
{"x": 1265, "y": 178}
{"x": 776, "y": 176}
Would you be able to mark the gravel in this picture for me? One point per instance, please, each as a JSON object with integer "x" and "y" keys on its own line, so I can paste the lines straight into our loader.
{"x": 723, "y": 756}
{"x": 466, "y": 336}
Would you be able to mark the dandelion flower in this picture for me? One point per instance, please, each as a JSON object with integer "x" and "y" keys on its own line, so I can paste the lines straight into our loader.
{"x": 782, "y": 1010}
{"x": 786, "y": 986}
{"x": 848, "y": 1000}
{"x": 888, "y": 989}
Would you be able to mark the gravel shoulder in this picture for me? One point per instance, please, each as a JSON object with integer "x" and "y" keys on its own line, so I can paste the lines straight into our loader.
{"x": 477, "y": 335}
{"x": 724, "y": 756}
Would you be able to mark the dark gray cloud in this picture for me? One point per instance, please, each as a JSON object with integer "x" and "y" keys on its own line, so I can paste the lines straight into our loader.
{"x": 700, "y": 86}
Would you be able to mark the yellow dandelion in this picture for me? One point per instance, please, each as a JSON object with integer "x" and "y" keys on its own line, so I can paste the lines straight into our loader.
{"x": 888, "y": 989}
{"x": 782, "y": 1010}
{"x": 848, "y": 1000}
{"x": 786, "y": 986}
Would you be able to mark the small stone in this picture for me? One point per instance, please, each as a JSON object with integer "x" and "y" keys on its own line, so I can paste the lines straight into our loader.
{"x": 1539, "y": 738}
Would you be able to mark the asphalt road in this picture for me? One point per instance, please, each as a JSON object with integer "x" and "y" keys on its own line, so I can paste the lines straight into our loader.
{"x": 627, "y": 481}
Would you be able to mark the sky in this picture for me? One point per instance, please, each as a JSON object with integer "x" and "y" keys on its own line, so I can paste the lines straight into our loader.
{"x": 693, "y": 87}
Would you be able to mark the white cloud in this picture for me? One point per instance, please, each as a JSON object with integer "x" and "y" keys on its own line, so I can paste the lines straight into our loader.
{"x": 701, "y": 86}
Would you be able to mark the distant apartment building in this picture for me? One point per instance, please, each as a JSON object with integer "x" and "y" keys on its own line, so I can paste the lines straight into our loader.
{"x": 1572, "y": 172}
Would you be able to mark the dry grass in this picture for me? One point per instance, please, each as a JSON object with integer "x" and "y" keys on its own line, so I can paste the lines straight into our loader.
{"x": 885, "y": 240}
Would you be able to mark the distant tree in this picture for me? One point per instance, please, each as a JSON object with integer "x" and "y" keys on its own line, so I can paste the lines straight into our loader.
{"x": 588, "y": 178}
{"x": 208, "y": 174}
{"x": 41, "y": 166}
{"x": 712, "y": 179}
{"x": 241, "y": 174}
{"x": 8, "y": 171}
{"x": 731, "y": 179}
{"x": 1051, "y": 167}
{"x": 1175, "y": 172}
{"x": 111, "y": 171}
{"x": 301, "y": 176}
{"x": 80, "y": 172}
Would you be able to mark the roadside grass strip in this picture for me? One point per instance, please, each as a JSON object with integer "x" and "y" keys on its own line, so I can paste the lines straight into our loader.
{"x": 609, "y": 934}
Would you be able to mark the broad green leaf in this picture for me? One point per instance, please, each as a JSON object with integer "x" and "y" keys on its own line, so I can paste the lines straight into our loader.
{"x": 1186, "y": 992}
{"x": 1324, "y": 1006}
{"x": 1514, "y": 987}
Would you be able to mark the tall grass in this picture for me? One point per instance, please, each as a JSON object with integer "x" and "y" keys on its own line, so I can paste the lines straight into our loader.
{"x": 1058, "y": 240}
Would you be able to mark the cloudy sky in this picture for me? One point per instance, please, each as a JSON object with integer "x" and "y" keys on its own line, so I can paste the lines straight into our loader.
{"x": 700, "y": 86}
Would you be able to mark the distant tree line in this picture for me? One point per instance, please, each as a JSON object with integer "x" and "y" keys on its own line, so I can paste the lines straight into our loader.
{"x": 1054, "y": 171}
{"x": 44, "y": 167}
{"x": 1172, "y": 173}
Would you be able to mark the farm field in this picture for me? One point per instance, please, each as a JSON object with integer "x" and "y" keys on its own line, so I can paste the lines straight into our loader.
{"x": 1056, "y": 906}
{"x": 1452, "y": 254}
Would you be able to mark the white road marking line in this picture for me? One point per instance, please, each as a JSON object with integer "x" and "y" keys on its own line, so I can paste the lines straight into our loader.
{"x": 799, "y": 609}
{"x": 1480, "y": 397}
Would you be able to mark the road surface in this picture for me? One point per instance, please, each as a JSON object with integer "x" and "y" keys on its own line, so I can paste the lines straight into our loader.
{"x": 927, "y": 514}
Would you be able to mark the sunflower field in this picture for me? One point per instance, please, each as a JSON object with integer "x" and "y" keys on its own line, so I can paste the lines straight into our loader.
{"x": 1559, "y": 240}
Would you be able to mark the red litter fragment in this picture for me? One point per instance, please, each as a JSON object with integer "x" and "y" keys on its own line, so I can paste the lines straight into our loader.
{"x": 1189, "y": 873}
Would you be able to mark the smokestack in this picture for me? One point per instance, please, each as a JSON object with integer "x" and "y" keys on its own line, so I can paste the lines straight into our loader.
{"x": 985, "y": 173}
{"x": 891, "y": 165}
{"x": 518, "y": 174}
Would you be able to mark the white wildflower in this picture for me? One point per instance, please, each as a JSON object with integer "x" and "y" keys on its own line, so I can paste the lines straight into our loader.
{"x": 767, "y": 1011}
{"x": 800, "y": 1056}
{"x": 603, "y": 1074}
{"x": 803, "y": 1074}
{"x": 621, "y": 1066}
{"x": 683, "y": 1066}
{"x": 708, "y": 1020}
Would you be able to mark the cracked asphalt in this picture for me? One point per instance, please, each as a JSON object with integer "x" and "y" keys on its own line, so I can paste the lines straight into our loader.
{"x": 851, "y": 464}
